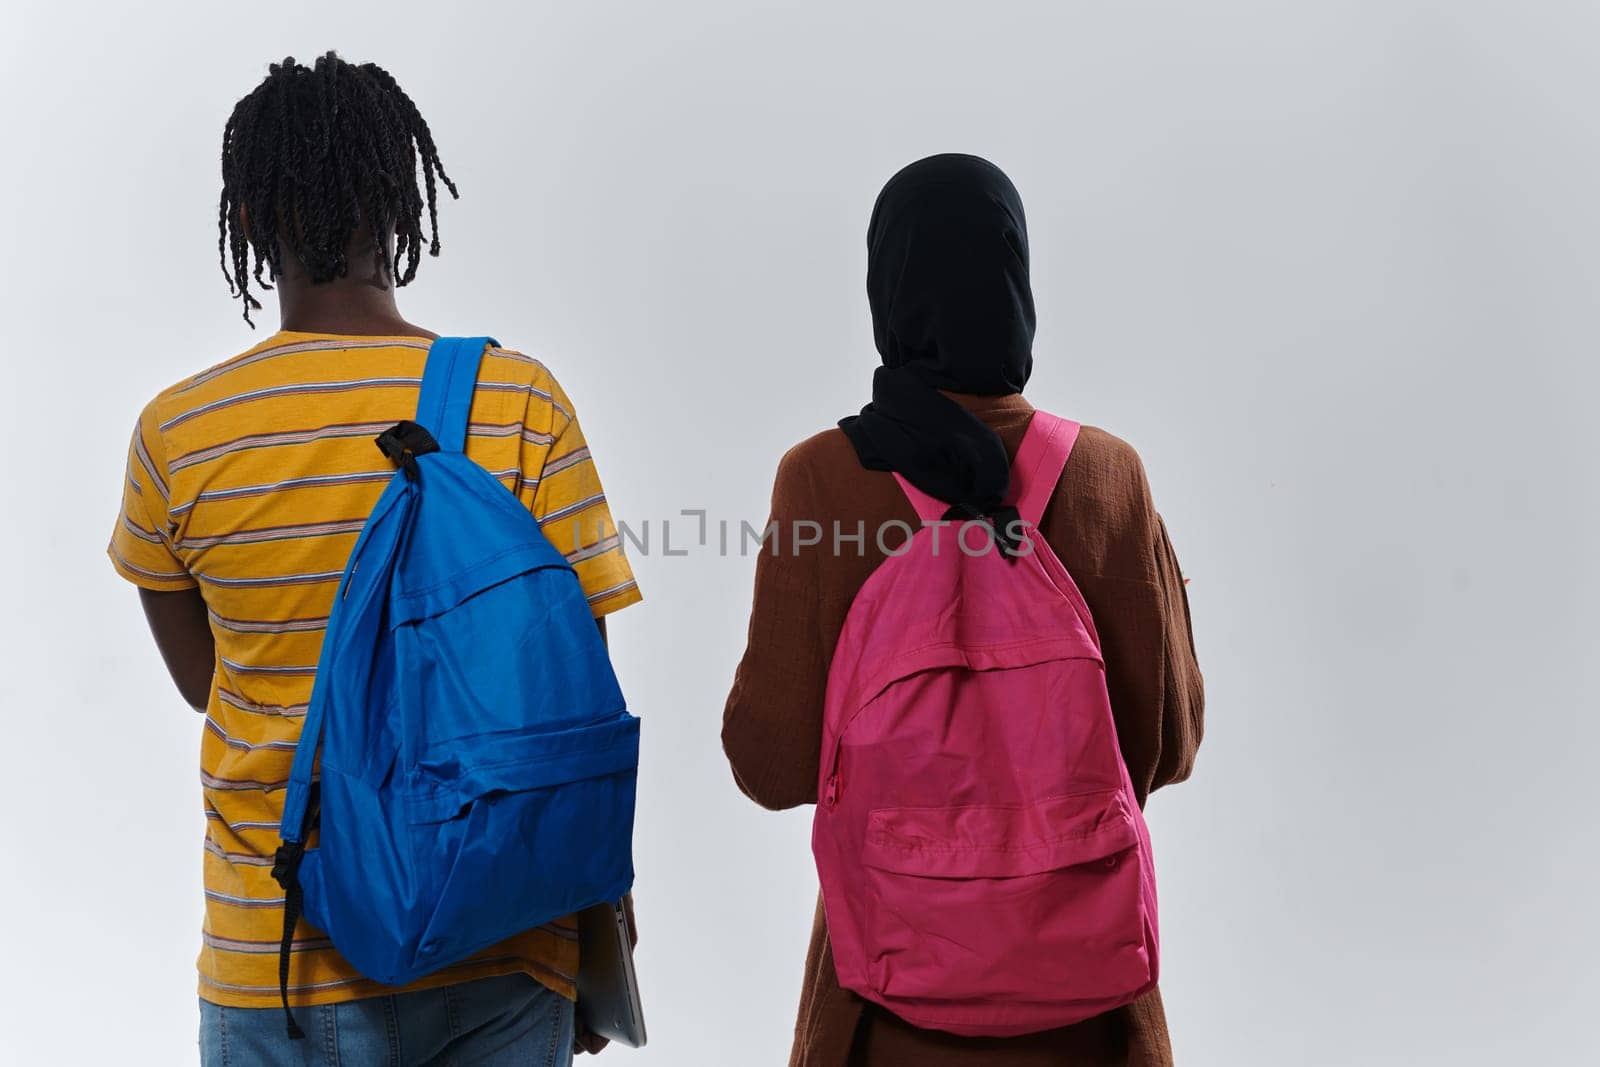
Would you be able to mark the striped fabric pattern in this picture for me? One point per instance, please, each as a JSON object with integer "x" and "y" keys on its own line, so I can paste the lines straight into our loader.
{"x": 251, "y": 482}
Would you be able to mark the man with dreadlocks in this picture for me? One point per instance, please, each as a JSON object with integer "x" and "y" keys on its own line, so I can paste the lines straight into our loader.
{"x": 246, "y": 488}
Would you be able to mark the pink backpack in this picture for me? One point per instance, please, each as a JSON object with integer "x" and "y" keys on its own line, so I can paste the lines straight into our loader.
{"x": 985, "y": 868}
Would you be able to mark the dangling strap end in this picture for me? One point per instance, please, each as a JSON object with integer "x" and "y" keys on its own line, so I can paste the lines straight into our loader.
{"x": 286, "y": 872}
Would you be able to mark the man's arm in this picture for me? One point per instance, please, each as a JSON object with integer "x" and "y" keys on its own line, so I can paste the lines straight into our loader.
{"x": 183, "y": 634}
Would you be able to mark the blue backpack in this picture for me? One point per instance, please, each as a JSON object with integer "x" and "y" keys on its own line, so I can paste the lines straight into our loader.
{"x": 478, "y": 762}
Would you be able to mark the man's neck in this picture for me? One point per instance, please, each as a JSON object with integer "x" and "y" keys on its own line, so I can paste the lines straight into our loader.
{"x": 361, "y": 303}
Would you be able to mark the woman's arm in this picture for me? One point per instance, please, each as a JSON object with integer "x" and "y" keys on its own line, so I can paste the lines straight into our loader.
{"x": 772, "y": 724}
{"x": 1183, "y": 699}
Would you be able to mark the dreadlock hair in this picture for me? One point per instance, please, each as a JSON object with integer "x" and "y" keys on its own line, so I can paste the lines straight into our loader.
{"x": 307, "y": 158}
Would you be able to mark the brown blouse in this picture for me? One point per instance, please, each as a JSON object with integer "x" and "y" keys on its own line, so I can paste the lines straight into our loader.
{"x": 1103, "y": 526}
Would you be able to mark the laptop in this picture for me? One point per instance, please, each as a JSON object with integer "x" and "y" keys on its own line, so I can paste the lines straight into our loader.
{"x": 608, "y": 988}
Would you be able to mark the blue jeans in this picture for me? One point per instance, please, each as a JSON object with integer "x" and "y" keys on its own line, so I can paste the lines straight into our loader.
{"x": 493, "y": 1022}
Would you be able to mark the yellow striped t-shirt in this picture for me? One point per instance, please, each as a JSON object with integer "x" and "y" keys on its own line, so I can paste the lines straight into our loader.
{"x": 251, "y": 480}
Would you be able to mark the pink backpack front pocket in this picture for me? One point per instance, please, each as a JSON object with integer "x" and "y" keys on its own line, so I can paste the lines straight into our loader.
{"x": 983, "y": 881}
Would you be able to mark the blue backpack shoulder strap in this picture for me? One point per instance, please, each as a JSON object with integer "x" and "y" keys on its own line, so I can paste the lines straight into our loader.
{"x": 448, "y": 382}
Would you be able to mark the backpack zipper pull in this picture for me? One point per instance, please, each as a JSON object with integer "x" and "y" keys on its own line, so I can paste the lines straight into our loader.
{"x": 830, "y": 797}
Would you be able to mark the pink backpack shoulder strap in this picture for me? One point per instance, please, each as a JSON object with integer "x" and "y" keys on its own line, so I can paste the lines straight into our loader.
{"x": 1034, "y": 472}
{"x": 928, "y": 508}
{"x": 1039, "y": 462}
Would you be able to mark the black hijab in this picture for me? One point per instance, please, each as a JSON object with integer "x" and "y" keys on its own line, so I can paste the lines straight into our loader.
{"x": 947, "y": 279}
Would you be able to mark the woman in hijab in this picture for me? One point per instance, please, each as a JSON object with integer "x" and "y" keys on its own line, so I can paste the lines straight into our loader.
{"x": 952, "y": 313}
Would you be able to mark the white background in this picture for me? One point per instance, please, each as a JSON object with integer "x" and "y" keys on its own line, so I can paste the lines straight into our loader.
{"x": 1329, "y": 266}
